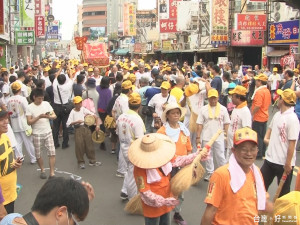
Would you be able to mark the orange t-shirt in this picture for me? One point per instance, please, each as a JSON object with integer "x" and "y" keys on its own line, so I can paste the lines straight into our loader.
{"x": 162, "y": 188}
{"x": 183, "y": 145}
{"x": 262, "y": 99}
{"x": 233, "y": 209}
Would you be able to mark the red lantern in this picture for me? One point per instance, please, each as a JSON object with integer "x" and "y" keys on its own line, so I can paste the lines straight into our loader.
{"x": 265, "y": 61}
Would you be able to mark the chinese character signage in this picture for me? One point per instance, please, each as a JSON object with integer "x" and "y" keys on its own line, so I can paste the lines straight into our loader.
{"x": 132, "y": 19}
{"x": 247, "y": 38}
{"x": 39, "y": 26}
{"x": 173, "y": 9}
{"x": 166, "y": 45}
{"x": 52, "y": 33}
{"x": 219, "y": 23}
{"x": 250, "y": 22}
{"x": 25, "y": 37}
{"x": 27, "y": 12}
{"x": 168, "y": 26}
{"x": 1, "y": 17}
{"x": 38, "y": 7}
{"x": 283, "y": 33}
{"x": 125, "y": 20}
{"x": 294, "y": 49}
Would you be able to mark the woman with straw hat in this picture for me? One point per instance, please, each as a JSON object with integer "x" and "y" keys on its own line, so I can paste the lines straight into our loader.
{"x": 153, "y": 156}
{"x": 177, "y": 131}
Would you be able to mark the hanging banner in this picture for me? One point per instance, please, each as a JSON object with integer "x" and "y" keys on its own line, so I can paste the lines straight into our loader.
{"x": 219, "y": 22}
{"x": 125, "y": 20}
{"x": 247, "y": 38}
{"x": 1, "y": 17}
{"x": 250, "y": 22}
{"x": 25, "y": 37}
{"x": 27, "y": 13}
{"x": 283, "y": 33}
{"x": 39, "y": 26}
{"x": 132, "y": 19}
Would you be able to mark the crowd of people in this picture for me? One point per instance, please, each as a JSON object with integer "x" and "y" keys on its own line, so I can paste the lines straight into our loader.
{"x": 184, "y": 105}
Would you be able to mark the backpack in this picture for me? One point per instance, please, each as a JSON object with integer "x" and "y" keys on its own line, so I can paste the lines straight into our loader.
{"x": 89, "y": 103}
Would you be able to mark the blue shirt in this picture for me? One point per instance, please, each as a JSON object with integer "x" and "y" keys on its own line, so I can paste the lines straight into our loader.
{"x": 287, "y": 84}
{"x": 151, "y": 92}
{"x": 142, "y": 92}
{"x": 216, "y": 83}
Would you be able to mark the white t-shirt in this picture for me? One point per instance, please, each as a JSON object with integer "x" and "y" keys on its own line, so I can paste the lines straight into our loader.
{"x": 121, "y": 105}
{"x": 65, "y": 90}
{"x": 225, "y": 85}
{"x": 157, "y": 102}
{"x": 211, "y": 126}
{"x": 240, "y": 117}
{"x": 285, "y": 127}
{"x": 5, "y": 90}
{"x": 197, "y": 101}
{"x": 17, "y": 105}
{"x": 42, "y": 126}
{"x": 78, "y": 115}
{"x": 130, "y": 126}
{"x": 47, "y": 81}
{"x": 11, "y": 136}
{"x": 273, "y": 79}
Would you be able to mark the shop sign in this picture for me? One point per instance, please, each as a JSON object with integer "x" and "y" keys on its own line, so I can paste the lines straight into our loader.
{"x": 283, "y": 33}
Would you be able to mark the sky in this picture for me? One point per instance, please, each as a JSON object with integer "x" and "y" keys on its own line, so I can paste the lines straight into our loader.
{"x": 66, "y": 12}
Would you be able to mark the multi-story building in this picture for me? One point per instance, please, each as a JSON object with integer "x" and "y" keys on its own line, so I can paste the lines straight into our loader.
{"x": 94, "y": 18}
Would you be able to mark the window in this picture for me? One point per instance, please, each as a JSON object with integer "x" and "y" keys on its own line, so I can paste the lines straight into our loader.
{"x": 97, "y": 13}
{"x": 237, "y": 5}
{"x": 255, "y": 6}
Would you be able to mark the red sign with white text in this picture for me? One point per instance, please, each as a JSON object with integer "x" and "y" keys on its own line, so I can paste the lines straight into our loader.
{"x": 38, "y": 7}
{"x": 251, "y": 22}
{"x": 39, "y": 26}
{"x": 247, "y": 38}
{"x": 173, "y": 9}
{"x": 168, "y": 26}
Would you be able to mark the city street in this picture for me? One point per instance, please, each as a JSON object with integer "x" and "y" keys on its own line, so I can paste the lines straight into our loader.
{"x": 107, "y": 207}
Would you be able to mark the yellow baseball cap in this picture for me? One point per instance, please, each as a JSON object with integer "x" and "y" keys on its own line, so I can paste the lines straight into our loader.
{"x": 134, "y": 99}
{"x": 296, "y": 70}
{"x": 165, "y": 85}
{"x": 90, "y": 69}
{"x": 212, "y": 93}
{"x": 288, "y": 95}
{"x": 3, "y": 69}
{"x": 191, "y": 90}
{"x": 261, "y": 77}
{"x": 244, "y": 134}
{"x": 275, "y": 69}
{"x": 239, "y": 90}
{"x": 11, "y": 68}
{"x": 16, "y": 86}
{"x": 132, "y": 77}
{"x": 46, "y": 69}
{"x": 126, "y": 84}
{"x": 85, "y": 64}
{"x": 77, "y": 99}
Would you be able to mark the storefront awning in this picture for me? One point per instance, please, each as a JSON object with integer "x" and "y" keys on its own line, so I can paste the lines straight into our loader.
{"x": 278, "y": 53}
{"x": 122, "y": 51}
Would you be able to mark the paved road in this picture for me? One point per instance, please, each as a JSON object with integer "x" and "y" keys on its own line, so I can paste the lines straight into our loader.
{"x": 107, "y": 207}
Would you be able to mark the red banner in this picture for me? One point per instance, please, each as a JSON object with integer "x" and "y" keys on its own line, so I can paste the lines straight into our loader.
{"x": 251, "y": 22}
{"x": 173, "y": 9}
{"x": 96, "y": 54}
{"x": 168, "y": 26}
{"x": 247, "y": 38}
{"x": 39, "y": 26}
{"x": 1, "y": 17}
{"x": 38, "y": 7}
{"x": 80, "y": 41}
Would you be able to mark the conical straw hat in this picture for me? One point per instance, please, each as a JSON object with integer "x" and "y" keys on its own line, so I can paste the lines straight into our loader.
{"x": 151, "y": 151}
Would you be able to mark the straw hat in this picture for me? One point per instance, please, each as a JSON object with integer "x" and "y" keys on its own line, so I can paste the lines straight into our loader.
{"x": 151, "y": 151}
{"x": 89, "y": 120}
{"x": 98, "y": 137}
{"x": 170, "y": 107}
